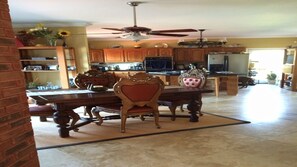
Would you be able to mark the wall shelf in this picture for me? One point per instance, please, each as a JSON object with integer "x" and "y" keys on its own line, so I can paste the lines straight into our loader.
{"x": 36, "y": 62}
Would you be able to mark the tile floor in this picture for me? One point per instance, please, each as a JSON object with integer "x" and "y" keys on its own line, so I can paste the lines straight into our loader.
{"x": 270, "y": 140}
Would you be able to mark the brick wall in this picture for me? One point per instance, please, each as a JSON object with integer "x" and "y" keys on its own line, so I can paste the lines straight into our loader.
{"x": 17, "y": 145}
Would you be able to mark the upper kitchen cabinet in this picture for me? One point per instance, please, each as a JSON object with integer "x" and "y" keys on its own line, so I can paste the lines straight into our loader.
{"x": 134, "y": 55}
{"x": 158, "y": 52}
{"x": 234, "y": 49}
{"x": 96, "y": 56}
{"x": 224, "y": 49}
{"x": 189, "y": 55}
{"x": 165, "y": 52}
{"x": 114, "y": 55}
{"x": 150, "y": 52}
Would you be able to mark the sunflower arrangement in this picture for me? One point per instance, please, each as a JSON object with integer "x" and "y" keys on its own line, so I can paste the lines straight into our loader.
{"x": 40, "y": 31}
{"x": 62, "y": 34}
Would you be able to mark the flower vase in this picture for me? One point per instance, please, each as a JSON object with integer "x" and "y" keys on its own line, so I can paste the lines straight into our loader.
{"x": 51, "y": 42}
{"x": 59, "y": 42}
{"x": 64, "y": 43}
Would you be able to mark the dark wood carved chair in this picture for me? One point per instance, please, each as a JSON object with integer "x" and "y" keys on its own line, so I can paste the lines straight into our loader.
{"x": 193, "y": 78}
{"x": 94, "y": 80}
{"x": 139, "y": 95}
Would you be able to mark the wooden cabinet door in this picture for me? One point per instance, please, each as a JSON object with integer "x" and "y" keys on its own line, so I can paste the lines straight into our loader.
{"x": 150, "y": 52}
{"x": 96, "y": 56}
{"x": 197, "y": 55}
{"x": 181, "y": 55}
{"x": 113, "y": 55}
{"x": 234, "y": 49}
{"x": 213, "y": 49}
{"x": 165, "y": 52}
{"x": 133, "y": 55}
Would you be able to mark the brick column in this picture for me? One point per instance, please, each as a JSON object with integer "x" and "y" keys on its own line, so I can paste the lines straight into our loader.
{"x": 17, "y": 144}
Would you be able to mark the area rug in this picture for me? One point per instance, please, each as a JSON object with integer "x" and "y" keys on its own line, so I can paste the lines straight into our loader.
{"x": 46, "y": 133}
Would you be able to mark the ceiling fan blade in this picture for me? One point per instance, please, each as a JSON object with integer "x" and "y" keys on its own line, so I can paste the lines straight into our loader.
{"x": 169, "y": 35}
{"x": 98, "y": 33}
{"x": 176, "y": 30}
{"x": 115, "y": 29}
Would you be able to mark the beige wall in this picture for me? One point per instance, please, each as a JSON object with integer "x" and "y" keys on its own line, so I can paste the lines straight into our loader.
{"x": 79, "y": 41}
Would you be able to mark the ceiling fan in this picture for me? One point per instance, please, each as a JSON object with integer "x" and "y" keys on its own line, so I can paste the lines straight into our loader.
{"x": 201, "y": 42}
{"x": 137, "y": 33}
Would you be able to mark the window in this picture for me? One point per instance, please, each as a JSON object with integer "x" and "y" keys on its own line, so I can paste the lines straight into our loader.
{"x": 266, "y": 60}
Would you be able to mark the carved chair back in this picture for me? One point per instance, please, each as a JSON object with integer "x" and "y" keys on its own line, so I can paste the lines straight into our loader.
{"x": 193, "y": 78}
{"x": 139, "y": 94}
{"x": 94, "y": 77}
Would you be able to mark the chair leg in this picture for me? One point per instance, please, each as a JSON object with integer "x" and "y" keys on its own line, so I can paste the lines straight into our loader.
{"x": 181, "y": 108}
{"x": 172, "y": 108}
{"x": 142, "y": 117}
{"x": 88, "y": 111}
{"x": 97, "y": 115}
{"x": 156, "y": 116}
{"x": 42, "y": 119}
{"x": 75, "y": 117}
{"x": 123, "y": 122}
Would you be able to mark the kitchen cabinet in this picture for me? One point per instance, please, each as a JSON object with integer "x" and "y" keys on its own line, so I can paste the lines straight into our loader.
{"x": 134, "y": 55}
{"x": 189, "y": 55}
{"x": 96, "y": 56}
{"x": 224, "y": 49}
{"x": 165, "y": 52}
{"x": 48, "y": 64}
{"x": 114, "y": 55}
{"x": 234, "y": 49}
{"x": 158, "y": 52}
{"x": 289, "y": 71}
{"x": 150, "y": 52}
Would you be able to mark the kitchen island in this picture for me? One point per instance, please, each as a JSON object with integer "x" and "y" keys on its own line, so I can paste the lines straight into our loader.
{"x": 221, "y": 81}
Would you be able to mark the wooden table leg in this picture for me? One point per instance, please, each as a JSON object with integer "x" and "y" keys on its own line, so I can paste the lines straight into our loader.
{"x": 195, "y": 106}
{"x": 62, "y": 119}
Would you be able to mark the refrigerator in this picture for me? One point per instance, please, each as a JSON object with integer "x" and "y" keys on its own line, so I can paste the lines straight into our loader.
{"x": 228, "y": 63}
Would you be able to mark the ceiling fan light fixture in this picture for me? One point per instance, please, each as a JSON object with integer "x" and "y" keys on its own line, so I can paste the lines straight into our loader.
{"x": 203, "y": 42}
{"x": 135, "y": 36}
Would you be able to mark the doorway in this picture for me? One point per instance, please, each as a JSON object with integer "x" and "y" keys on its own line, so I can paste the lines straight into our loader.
{"x": 265, "y": 61}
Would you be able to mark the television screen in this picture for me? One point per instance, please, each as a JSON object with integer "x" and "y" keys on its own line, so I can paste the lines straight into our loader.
{"x": 158, "y": 64}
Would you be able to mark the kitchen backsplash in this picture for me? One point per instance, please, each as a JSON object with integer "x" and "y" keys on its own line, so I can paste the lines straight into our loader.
{"x": 118, "y": 66}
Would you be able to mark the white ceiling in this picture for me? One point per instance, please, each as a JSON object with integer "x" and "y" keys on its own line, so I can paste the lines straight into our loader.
{"x": 221, "y": 18}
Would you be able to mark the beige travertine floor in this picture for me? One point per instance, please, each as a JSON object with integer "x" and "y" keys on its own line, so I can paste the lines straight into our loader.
{"x": 270, "y": 140}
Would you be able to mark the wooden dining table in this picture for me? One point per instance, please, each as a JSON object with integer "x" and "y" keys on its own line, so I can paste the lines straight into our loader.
{"x": 68, "y": 99}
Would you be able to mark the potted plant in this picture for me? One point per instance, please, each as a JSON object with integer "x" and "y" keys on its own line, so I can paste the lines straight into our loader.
{"x": 271, "y": 77}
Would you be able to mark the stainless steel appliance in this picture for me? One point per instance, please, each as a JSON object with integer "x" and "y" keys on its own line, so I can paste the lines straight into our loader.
{"x": 228, "y": 63}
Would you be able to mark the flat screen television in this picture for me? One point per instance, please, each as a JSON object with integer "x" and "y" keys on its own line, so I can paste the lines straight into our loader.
{"x": 153, "y": 64}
